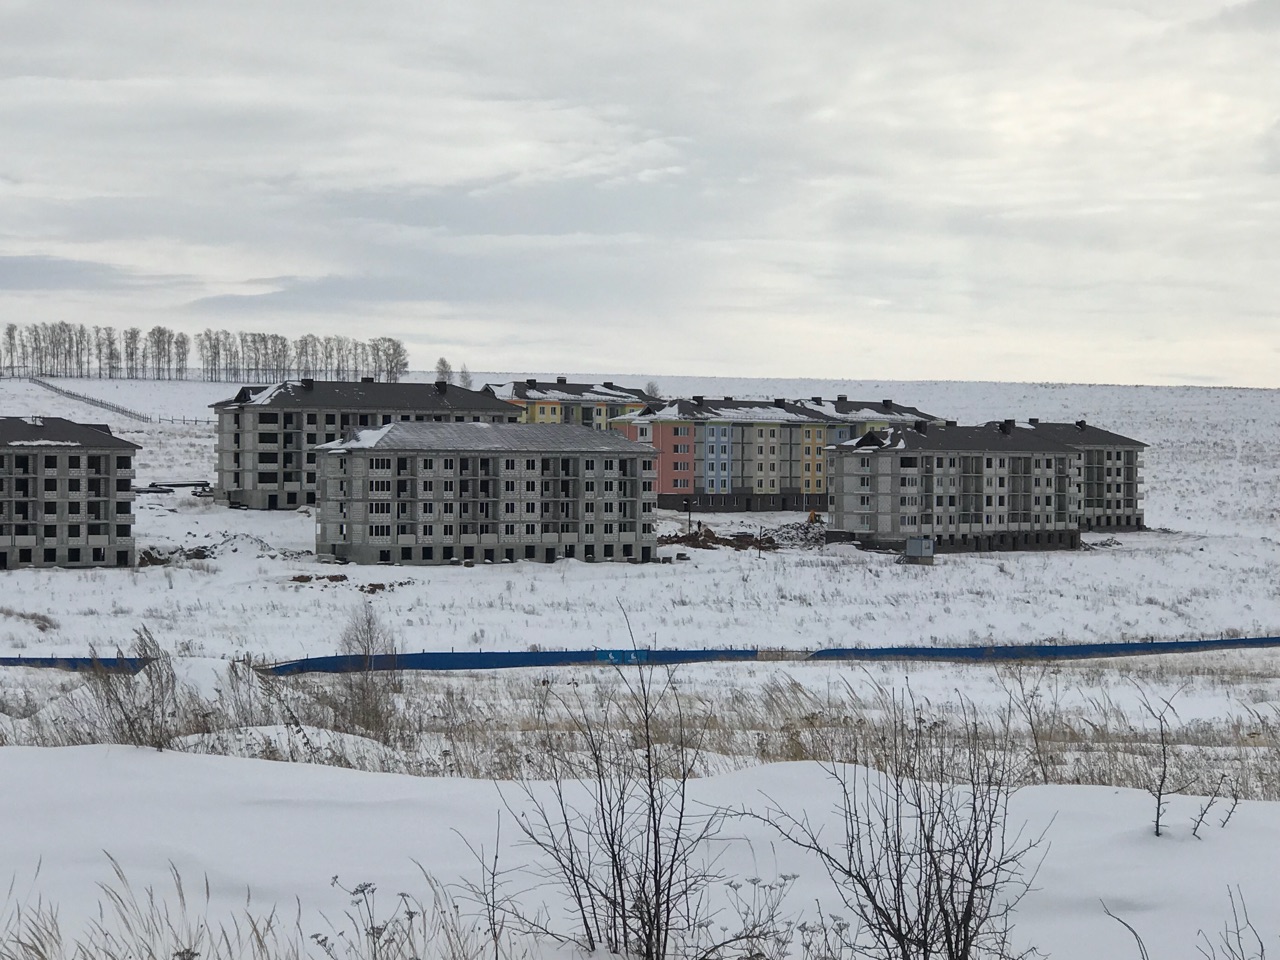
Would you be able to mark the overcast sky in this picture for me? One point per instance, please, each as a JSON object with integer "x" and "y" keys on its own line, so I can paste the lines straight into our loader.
{"x": 1024, "y": 190}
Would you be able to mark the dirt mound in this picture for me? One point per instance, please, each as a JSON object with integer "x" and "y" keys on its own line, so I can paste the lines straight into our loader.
{"x": 787, "y": 535}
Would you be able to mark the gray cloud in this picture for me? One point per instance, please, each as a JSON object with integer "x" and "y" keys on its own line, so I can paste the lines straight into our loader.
{"x": 1065, "y": 190}
{"x": 53, "y": 273}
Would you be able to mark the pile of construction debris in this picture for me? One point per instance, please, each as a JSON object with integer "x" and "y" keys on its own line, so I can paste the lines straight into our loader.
{"x": 787, "y": 535}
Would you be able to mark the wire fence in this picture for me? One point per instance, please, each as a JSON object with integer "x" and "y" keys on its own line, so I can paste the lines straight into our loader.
{"x": 94, "y": 401}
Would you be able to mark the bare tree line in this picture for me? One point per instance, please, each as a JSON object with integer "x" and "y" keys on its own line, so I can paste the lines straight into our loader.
{"x": 76, "y": 350}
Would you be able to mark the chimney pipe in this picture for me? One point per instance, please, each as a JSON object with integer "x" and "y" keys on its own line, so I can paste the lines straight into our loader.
{"x": 366, "y": 379}
{"x": 442, "y": 386}
{"x": 922, "y": 426}
{"x": 779, "y": 401}
{"x": 1006, "y": 427}
{"x": 887, "y": 404}
{"x": 609, "y": 384}
{"x": 953, "y": 423}
{"x": 816, "y": 399}
{"x": 698, "y": 400}
{"x": 308, "y": 383}
{"x": 1080, "y": 424}
{"x": 562, "y": 380}
{"x": 842, "y": 397}
{"x": 531, "y": 382}
{"x": 730, "y": 399}
{"x": 1034, "y": 421}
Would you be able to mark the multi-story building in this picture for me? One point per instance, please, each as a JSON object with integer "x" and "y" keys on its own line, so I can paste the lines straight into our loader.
{"x": 992, "y": 487}
{"x": 732, "y": 454}
{"x": 66, "y": 494}
{"x": 583, "y": 404}
{"x": 432, "y": 493}
{"x": 267, "y": 436}
{"x": 1107, "y": 472}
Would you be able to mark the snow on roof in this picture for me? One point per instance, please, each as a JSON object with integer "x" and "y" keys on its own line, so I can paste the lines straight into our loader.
{"x": 353, "y": 395}
{"x": 947, "y": 438}
{"x": 495, "y": 437}
{"x": 862, "y": 411}
{"x": 567, "y": 392}
{"x": 742, "y": 411}
{"x": 57, "y": 432}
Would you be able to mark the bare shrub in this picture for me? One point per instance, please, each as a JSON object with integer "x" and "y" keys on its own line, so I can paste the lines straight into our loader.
{"x": 1238, "y": 939}
{"x": 1164, "y": 772}
{"x": 174, "y": 924}
{"x": 925, "y": 863}
{"x": 366, "y": 697}
{"x": 147, "y": 709}
{"x": 616, "y": 839}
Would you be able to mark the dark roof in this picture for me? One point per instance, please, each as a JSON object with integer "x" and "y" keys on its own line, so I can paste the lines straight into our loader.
{"x": 944, "y": 439}
{"x": 1082, "y": 434}
{"x": 842, "y": 408}
{"x": 562, "y": 391}
{"x": 495, "y": 437}
{"x": 350, "y": 395}
{"x": 37, "y": 432}
{"x": 709, "y": 408}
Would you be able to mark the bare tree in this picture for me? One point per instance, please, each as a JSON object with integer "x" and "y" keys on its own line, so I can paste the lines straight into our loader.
{"x": 366, "y": 700}
{"x": 924, "y": 862}
{"x": 652, "y": 389}
{"x": 464, "y": 378}
{"x": 444, "y": 370}
{"x": 625, "y": 856}
{"x": 181, "y": 355}
{"x": 1164, "y": 775}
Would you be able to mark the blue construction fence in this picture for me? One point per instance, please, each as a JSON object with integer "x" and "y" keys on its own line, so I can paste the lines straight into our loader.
{"x": 515, "y": 659}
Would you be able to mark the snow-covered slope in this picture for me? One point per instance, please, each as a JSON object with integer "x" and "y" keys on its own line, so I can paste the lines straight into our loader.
{"x": 283, "y": 831}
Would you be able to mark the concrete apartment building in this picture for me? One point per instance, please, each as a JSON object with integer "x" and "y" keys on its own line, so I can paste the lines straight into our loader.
{"x": 267, "y": 436}
{"x": 66, "y": 494}
{"x": 1107, "y": 474}
{"x": 751, "y": 455}
{"x": 990, "y": 487}
{"x": 1000, "y": 486}
{"x": 435, "y": 493}
{"x": 582, "y": 404}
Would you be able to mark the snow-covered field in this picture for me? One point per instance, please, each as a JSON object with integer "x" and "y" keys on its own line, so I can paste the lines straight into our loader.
{"x": 1206, "y": 570}
{"x": 283, "y": 830}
